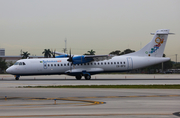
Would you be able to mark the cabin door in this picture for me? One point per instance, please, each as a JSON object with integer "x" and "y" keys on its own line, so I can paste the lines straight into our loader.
{"x": 129, "y": 63}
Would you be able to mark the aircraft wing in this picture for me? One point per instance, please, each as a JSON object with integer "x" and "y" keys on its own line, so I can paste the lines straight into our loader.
{"x": 88, "y": 58}
{"x": 59, "y": 53}
{"x": 80, "y": 59}
{"x": 98, "y": 57}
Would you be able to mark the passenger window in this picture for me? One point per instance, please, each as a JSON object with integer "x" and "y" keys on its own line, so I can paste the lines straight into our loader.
{"x": 108, "y": 62}
{"x": 114, "y": 62}
{"x": 111, "y": 62}
{"x": 64, "y": 64}
{"x": 121, "y": 62}
{"x": 54, "y": 64}
{"x": 104, "y": 63}
{"x": 84, "y": 63}
{"x": 94, "y": 63}
{"x": 117, "y": 62}
{"x": 48, "y": 64}
{"x": 124, "y": 62}
{"x": 91, "y": 63}
{"x": 98, "y": 63}
{"x": 68, "y": 64}
{"x": 61, "y": 64}
{"x": 51, "y": 64}
{"x": 58, "y": 64}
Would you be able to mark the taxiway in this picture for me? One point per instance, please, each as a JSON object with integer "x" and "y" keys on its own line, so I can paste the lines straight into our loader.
{"x": 83, "y": 103}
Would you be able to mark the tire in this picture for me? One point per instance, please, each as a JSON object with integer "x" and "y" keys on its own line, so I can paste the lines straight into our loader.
{"x": 17, "y": 78}
{"x": 87, "y": 77}
{"x": 78, "y": 77}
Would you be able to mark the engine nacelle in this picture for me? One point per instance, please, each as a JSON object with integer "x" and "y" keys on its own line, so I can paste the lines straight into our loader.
{"x": 81, "y": 59}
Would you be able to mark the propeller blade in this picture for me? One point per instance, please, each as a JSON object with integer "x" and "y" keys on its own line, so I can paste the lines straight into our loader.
{"x": 54, "y": 53}
{"x": 70, "y": 57}
{"x": 70, "y": 53}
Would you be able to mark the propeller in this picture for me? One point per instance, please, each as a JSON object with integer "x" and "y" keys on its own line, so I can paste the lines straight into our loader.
{"x": 70, "y": 57}
{"x": 53, "y": 53}
{"x": 70, "y": 60}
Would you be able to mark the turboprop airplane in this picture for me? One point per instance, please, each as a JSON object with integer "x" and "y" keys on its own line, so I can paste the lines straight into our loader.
{"x": 87, "y": 65}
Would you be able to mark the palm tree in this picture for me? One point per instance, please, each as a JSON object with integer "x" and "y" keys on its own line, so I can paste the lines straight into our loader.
{"x": 25, "y": 55}
{"x": 91, "y": 52}
{"x": 47, "y": 53}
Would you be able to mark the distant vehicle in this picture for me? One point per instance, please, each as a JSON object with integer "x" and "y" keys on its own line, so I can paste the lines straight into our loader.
{"x": 87, "y": 65}
{"x": 168, "y": 72}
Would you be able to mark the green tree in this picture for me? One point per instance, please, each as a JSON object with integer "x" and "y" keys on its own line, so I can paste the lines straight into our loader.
{"x": 127, "y": 51}
{"x": 91, "y": 52}
{"x": 3, "y": 65}
{"x": 117, "y": 52}
{"x": 176, "y": 66}
{"x": 10, "y": 63}
{"x": 25, "y": 55}
{"x": 47, "y": 53}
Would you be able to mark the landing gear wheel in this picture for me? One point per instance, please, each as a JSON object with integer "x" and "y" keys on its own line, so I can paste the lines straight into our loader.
{"x": 78, "y": 77}
{"x": 17, "y": 78}
{"x": 87, "y": 77}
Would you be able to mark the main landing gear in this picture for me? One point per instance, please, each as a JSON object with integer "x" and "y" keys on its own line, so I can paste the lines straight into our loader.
{"x": 78, "y": 77}
{"x": 86, "y": 76}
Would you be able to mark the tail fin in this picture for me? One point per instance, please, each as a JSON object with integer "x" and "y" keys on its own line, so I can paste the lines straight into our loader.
{"x": 155, "y": 48}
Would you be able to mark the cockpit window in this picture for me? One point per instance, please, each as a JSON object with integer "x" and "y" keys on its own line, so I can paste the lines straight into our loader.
{"x": 19, "y": 63}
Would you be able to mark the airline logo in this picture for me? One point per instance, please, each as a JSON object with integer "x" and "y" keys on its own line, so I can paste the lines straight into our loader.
{"x": 48, "y": 61}
{"x": 158, "y": 41}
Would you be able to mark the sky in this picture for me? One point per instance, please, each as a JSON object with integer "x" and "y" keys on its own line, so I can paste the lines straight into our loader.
{"x": 101, "y": 25}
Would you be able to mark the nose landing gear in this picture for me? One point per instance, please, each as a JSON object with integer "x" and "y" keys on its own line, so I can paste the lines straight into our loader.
{"x": 17, "y": 77}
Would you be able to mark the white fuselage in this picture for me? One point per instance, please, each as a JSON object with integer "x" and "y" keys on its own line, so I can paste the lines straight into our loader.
{"x": 49, "y": 66}
{"x": 83, "y": 65}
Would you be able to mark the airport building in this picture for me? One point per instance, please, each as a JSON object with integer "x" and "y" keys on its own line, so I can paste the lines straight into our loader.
{"x": 2, "y": 52}
{"x": 13, "y": 59}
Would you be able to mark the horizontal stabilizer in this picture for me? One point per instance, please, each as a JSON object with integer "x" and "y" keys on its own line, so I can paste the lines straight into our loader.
{"x": 162, "y": 33}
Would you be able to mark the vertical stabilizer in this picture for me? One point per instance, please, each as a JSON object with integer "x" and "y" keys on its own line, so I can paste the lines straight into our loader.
{"x": 155, "y": 48}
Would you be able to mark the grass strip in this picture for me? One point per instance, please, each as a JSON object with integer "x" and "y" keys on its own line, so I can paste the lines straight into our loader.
{"x": 177, "y": 86}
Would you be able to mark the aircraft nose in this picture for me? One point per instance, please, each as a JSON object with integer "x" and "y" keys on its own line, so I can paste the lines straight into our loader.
{"x": 9, "y": 70}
